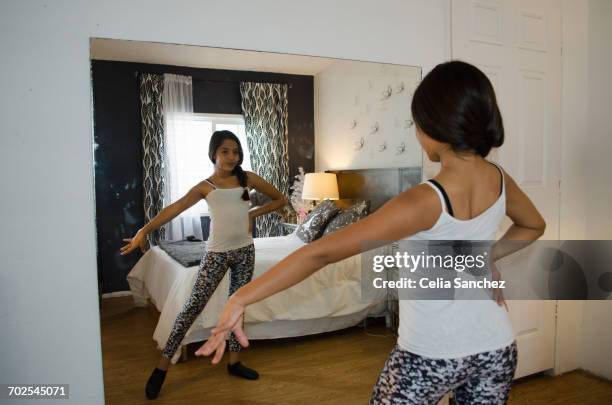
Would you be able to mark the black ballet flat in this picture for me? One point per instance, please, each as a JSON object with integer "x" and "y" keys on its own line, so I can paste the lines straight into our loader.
{"x": 155, "y": 383}
{"x": 240, "y": 370}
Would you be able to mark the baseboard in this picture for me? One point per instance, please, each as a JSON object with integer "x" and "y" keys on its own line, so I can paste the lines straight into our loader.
{"x": 117, "y": 294}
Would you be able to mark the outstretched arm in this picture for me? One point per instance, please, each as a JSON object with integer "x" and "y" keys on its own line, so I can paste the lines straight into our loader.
{"x": 400, "y": 217}
{"x": 408, "y": 213}
{"x": 167, "y": 214}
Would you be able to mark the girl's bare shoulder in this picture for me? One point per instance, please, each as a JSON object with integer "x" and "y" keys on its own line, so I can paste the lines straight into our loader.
{"x": 204, "y": 187}
{"x": 423, "y": 202}
{"x": 421, "y": 196}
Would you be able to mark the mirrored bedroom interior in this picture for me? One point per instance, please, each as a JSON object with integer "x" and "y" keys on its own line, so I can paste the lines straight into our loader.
{"x": 317, "y": 129}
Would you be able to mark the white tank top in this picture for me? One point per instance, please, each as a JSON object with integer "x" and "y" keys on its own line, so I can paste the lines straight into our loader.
{"x": 456, "y": 328}
{"x": 229, "y": 219}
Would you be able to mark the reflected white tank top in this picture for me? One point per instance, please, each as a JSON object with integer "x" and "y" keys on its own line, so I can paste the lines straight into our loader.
{"x": 456, "y": 328}
{"x": 229, "y": 219}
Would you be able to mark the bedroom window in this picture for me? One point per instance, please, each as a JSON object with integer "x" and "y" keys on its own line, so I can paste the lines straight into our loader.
{"x": 191, "y": 146}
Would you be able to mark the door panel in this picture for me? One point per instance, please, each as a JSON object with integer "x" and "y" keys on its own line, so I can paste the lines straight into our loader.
{"x": 517, "y": 44}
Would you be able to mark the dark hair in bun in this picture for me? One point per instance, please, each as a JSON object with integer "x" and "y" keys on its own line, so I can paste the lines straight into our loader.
{"x": 455, "y": 104}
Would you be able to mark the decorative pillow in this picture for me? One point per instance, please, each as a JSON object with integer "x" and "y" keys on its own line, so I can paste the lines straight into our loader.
{"x": 352, "y": 214}
{"x": 315, "y": 221}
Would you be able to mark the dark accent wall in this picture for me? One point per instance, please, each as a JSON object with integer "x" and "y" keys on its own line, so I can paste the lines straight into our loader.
{"x": 118, "y": 144}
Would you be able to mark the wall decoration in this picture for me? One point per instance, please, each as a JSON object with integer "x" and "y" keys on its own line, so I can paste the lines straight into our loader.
{"x": 374, "y": 128}
{"x": 386, "y": 94}
{"x": 401, "y": 148}
{"x": 359, "y": 144}
{"x": 366, "y": 112}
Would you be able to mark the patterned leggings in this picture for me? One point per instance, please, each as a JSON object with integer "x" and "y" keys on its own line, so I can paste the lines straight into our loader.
{"x": 213, "y": 267}
{"x": 483, "y": 378}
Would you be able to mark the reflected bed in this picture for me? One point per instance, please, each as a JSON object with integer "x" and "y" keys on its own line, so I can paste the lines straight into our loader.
{"x": 327, "y": 301}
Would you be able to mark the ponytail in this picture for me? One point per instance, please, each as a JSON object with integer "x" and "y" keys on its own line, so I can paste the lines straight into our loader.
{"x": 242, "y": 180}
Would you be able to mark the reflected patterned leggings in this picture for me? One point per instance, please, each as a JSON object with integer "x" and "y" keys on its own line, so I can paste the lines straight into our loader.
{"x": 410, "y": 379}
{"x": 213, "y": 267}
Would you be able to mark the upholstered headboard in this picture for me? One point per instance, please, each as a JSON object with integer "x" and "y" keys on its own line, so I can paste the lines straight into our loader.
{"x": 376, "y": 185}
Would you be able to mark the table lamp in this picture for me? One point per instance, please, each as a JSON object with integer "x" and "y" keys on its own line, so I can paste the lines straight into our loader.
{"x": 320, "y": 186}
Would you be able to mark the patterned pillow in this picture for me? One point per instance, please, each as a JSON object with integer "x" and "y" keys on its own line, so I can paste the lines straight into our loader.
{"x": 348, "y": 216}
{"x": 315, "y": 222}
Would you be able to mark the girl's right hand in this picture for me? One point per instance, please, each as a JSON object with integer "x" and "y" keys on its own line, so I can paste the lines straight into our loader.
{"x": 251, "y": 219}
{"x": 138, "y": 241}
{"x": 231, "y": 320}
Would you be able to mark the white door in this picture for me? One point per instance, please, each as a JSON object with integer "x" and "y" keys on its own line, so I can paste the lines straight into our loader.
{"x": 517, "y": 43}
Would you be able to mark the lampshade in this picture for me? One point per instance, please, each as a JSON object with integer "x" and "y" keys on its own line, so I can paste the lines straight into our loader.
{"x": 320, "y": 186}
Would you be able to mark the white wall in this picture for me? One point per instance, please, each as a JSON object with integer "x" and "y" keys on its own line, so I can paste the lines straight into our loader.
{"x": 597, "y": 315}
{"x": 584, "y": 328}
{"x": 572, "y": 221}
{"x": 348, "y": 102}
{"x": 48, "y": 304}
{"x": 574, "y": 95}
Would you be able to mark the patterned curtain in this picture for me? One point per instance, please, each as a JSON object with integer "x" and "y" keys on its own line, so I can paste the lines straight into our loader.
{"x": 151, "y": 112}
{"x": 264, "y": 106}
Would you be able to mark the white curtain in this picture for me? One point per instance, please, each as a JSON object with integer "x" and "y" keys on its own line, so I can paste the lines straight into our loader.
{"x": 178, "y": 117}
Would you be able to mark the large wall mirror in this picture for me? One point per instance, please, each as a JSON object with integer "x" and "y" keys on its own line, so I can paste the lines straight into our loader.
{"x": 155, "y": 108}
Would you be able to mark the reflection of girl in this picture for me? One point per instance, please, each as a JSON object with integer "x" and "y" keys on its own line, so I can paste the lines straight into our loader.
{"x": 465, "y": 346}
{"x": 230, "y": 243}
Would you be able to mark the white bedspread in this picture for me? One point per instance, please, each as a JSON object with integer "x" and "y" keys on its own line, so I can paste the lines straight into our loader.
{"x": 328, "y": 300}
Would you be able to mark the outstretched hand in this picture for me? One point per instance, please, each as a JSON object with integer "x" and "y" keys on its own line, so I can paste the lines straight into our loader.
{"x": 231, "y": 320}
{"x": 138, "y": 241}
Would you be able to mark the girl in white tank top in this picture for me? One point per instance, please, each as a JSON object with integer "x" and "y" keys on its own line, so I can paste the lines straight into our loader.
{"x": 229, "y": 246}
{"x": 461, "y": 327}
{"x": 462, "y": 346}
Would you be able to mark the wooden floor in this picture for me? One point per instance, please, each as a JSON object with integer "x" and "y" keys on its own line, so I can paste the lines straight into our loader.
{"x": 334, "y": 368}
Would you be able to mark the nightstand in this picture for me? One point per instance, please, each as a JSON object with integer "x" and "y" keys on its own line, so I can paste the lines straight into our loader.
{"x": 287, "y": 228}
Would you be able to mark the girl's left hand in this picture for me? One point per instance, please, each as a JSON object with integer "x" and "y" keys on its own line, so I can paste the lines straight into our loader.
{"x": 230, "y": 320}
{"x": 498, "y": 295}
